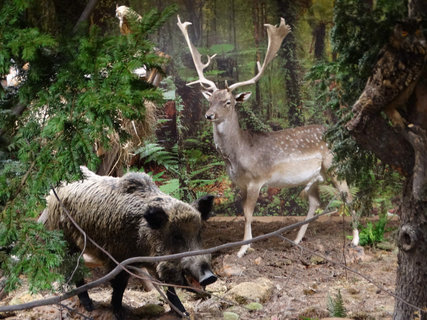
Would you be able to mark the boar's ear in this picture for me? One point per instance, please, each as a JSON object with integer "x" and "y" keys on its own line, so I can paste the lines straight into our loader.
{"x": 156, "y": 217}
{"x": 204, "y": 205}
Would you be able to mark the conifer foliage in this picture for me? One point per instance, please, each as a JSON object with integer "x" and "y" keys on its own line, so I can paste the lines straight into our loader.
{"x": 76, "y": 88}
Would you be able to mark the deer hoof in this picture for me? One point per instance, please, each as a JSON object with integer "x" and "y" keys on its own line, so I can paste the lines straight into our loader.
{"x": 242, "y": 251}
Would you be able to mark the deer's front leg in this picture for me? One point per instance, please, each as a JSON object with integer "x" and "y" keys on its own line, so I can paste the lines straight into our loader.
{"x": 250, "y": 197}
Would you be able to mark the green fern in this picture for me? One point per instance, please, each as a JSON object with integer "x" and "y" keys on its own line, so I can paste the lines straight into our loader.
{"x": 373, "y": 233}
{"x": 330, "y": 192}
{"x": 154, "y": 152}
{"x": 335, "y": 306}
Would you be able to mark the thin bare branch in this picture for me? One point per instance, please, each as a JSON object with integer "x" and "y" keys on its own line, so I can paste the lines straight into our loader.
{"x": 118, "y": 269}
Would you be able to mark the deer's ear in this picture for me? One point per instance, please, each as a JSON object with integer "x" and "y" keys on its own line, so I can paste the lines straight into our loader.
{"x": 206, "y": 94}
{"x": 243, "y": 96}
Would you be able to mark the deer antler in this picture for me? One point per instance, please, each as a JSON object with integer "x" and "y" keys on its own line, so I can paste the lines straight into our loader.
{"x": 205, "y": 83}
{"x": 275, "y": 38}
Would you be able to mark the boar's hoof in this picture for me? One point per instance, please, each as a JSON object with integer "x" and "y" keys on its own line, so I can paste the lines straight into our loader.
{"x": 207, "y": 278}
{"x": 85, "y": 301}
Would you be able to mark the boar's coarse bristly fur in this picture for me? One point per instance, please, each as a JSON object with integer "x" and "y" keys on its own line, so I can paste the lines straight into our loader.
{"x": 129, "y": 217}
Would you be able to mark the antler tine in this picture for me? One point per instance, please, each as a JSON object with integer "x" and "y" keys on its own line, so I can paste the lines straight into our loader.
{"x": 275, "y": 38}
{"x": 205, "y": 83}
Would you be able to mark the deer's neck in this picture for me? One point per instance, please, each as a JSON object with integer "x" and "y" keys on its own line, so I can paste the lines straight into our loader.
{"x": 228, "y": 138}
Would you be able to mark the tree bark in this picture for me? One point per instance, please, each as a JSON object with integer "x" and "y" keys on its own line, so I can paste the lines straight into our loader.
{"x": 375, "y": 135}
{"x": 412, "y": 267}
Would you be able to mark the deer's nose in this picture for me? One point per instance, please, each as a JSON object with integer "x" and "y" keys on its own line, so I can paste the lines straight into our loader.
{"x": 210, "y": 116}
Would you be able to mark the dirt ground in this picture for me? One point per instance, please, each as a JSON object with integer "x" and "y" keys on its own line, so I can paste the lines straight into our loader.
{"x": 301, "y": 281}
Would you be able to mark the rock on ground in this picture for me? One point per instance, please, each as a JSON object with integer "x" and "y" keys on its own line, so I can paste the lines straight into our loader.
{"x": 259, "y": 290}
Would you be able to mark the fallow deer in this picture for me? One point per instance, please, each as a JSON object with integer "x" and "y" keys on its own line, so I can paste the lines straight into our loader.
{"x": 287, "y": 158}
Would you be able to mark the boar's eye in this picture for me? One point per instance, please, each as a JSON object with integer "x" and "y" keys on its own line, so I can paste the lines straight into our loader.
{"x": 178, "y": 239}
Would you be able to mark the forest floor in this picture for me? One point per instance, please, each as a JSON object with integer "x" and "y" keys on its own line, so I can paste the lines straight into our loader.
{"x": 298, "y": 286}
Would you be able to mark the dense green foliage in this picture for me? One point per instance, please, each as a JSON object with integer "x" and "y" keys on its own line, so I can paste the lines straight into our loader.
{"x": 77, "y": 90}
{"x": 339, "y": 83}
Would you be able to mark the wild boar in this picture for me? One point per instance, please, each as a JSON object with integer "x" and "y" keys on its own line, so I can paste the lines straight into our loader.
{"x": 130, "y": 217}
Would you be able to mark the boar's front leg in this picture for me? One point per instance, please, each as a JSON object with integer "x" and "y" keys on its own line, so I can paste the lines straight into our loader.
{"x": 174, "y": 299}
{"x": 119, "y": 284}
{"x": 84, "y": 297}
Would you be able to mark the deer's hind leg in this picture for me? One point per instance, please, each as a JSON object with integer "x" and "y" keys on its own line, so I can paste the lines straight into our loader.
{"x": 249, "y": 199}
{"x": 314, "y": 203}
{"x": 343, "y": 188}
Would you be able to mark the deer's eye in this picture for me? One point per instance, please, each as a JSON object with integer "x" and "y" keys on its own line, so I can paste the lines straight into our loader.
{"x": 228, "y": 102}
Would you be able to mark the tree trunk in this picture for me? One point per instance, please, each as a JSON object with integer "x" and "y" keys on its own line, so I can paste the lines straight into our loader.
{"x": 194, "y": 9}
{"x": 258, "y": 35}
{"x": 288, "y": 10}
{"x": 319, "y": 34}
{"x": 412, "y": 269}
{"x": 411, "y": 277}
{"x": 233, "y": 15}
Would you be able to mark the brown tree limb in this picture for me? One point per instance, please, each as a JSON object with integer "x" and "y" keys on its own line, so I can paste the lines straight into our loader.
{"x": 386, "y": 142}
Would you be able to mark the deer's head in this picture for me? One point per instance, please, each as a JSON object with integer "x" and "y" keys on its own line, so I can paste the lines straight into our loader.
{"x": 221, "y": 101}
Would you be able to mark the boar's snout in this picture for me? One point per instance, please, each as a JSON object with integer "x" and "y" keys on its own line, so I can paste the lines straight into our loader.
{"x": 198, "y": 271}
{"x": 207, "y": 278}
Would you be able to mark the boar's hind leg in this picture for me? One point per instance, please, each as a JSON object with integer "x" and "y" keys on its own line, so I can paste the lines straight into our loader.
{"x": 119, "y": 284}
{"x": 174, "y": 299}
